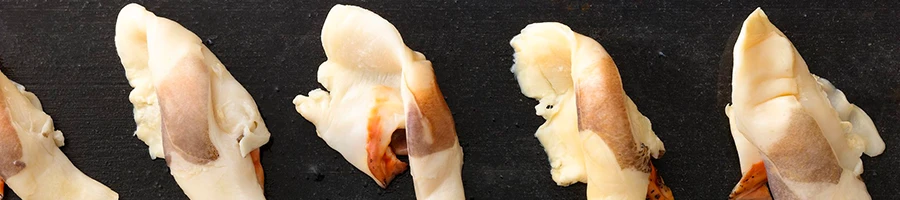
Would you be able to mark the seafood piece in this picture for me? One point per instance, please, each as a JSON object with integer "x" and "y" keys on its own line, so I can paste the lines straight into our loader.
{"x": 793, "y": 129}
{"x": 32, "y": 164}
{"x": 377, "y": 87}
{"x": 189, "y": 109}
{"x": 594, "y": 133}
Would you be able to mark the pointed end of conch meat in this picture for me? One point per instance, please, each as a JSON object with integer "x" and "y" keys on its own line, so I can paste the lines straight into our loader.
{"x": 807, "y": 134}
{"x": 189, "y": 107}
{"x": 594, "y": 132}
{"x": 755, "y": 29}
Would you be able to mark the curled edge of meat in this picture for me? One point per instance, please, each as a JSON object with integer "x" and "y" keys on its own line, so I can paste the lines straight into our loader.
{"x": 560, "y": 68}
{"x": 376, "y": 87}
{"x": 33, "y": 165}
{"x": 770, "y": 124}
{"x": 189, "y": 109}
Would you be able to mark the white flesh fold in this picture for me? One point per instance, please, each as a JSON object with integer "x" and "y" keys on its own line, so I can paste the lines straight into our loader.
{"x": 354, "y": 75}
{"x": 778, "y": 105}
{"x": 542, "y": 68}
{"x": 47, "y": 173}
{"x": 151, "y": 48}
{"x": 546, "y": 55}
{"x": 374, "y": 80}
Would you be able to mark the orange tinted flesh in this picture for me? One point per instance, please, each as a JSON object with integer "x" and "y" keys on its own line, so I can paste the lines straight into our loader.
{"x": 254, "y": 155}
{"x": 657, "y": 189}
{"x": 2, "y": 188}
{"x": 752, "y": 185}
{"x": 383, "y": 163}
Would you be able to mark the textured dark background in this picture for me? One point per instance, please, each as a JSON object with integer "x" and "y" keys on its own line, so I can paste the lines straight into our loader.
{"x": 670, "y": 55}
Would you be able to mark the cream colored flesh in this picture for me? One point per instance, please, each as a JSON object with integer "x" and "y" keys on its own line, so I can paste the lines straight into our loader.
{"x": 543, "y": 71}
{"x": 375, "y": 85}
{"x": 342, "y": 113}
{"x": 747, "y": 153}
{"x": 46, "y": 172}
{"x": 778, "y": 105}
{"x": 157, "y": 52}
{"x": 546, "y": 56}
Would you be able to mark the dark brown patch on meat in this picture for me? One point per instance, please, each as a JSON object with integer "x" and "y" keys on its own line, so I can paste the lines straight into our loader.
{"x": 777, "y": 186}
{"x": 184, "y": 99}
{"x": 601, "y": 106}
{"x": 804, "y": 155}
{"x": 429, "y": 114}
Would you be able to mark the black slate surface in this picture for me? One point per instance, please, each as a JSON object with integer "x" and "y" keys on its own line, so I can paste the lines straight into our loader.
{"x": 670, "y": 55}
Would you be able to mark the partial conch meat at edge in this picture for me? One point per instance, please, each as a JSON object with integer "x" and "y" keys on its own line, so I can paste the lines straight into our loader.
{"x": 797, "y": 136}
{"x": 31, "y": 163}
